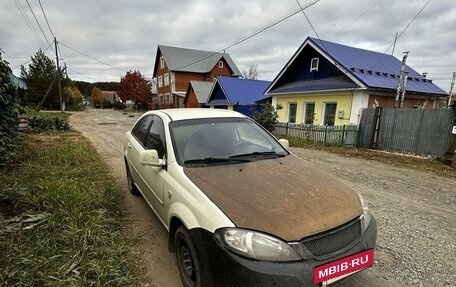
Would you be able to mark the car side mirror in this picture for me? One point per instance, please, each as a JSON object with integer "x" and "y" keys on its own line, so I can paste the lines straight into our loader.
{"x": 284, "y": 143}
{"x": 150, "y": 157}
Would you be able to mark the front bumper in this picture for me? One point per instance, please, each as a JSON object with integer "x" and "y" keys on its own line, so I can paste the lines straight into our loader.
{"x": 221, "y": 267}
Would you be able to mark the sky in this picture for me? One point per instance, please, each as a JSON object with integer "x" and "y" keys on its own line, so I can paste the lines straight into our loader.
{"x": 102, "y": 40}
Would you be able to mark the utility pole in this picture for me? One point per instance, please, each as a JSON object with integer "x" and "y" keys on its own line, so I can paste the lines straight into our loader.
{"x": 404, "y": 87}
{"x": 450, "y": 98}
{"x": 58, "y": 74}
{"x": 400, "y": 86}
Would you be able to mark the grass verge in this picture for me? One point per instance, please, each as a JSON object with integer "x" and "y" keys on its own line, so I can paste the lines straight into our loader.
{"x": 60, "y": 218}
{"x": 430, "y": 165}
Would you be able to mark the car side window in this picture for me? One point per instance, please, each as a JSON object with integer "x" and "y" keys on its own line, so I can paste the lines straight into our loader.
{"x": 156, "y": 137}
{"x": 141, "y": 130}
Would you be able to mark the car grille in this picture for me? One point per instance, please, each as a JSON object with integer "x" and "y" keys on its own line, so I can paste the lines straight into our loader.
{"x": 333, "y": 240}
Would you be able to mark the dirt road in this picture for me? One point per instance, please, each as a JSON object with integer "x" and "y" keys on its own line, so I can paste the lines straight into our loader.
{"x": 415, "y": 211}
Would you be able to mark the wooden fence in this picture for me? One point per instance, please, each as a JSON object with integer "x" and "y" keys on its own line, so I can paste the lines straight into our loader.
{"x": 345, "y": 135}
{"x": 418, "y": 131}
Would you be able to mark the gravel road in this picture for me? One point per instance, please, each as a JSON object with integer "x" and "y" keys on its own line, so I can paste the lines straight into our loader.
{"x": 416, "y": 213}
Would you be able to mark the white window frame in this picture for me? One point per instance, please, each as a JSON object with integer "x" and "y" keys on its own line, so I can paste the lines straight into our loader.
{"x": 304, "y": 113}
{"x": 161, "y": 99}
{"x": 162, "y": 62}
{"x": 166, "y": 80}
{"x": 288, "y": 111}
{"x": 168, "y": 99}
{"x": 160, "y": 81}
{"x": 314, "y": 63}
{"x": 324, "y": 112}
{"x": 220, "y": 64}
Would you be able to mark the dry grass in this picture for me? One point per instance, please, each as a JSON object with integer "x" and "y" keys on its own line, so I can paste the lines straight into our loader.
{"x": 424, "y": 164}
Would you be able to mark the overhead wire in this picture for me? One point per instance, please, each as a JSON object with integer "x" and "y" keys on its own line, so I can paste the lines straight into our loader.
{"x": 356, "y": 19}
{"x": 47, "y": 22}
{"x": 400, "y": 34}
{"x": 97, "y": 60}
{"x": 44, "y": 51}
{"x": 29, "y": 23}
{"x": 245, "y": 38}
{"x": 37, "y": 22}
{"x": 310, "y": 23}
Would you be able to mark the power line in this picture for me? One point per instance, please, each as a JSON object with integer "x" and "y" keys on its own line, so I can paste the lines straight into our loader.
{"x": 47, "y": 22}
{"x": 310, "y": 23}
{"x": 400, "y": 34}
{"x": 29, "y": 23}
{"x": 245, "y": 38}
{"x": 44, "y": 51}
{"x": 36, "y": 20}
{"x": 99, "y": 61}
{"x": 356, "y": 19}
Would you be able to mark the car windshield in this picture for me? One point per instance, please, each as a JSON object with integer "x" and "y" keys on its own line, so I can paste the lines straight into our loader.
{"x": 210, "y": 141}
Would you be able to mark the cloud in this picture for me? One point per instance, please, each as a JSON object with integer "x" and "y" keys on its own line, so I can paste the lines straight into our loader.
{"x": 125, "y": 34}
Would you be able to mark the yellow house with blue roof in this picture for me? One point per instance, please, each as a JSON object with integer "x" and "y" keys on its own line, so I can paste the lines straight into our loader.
{"x": 326, "y": 83}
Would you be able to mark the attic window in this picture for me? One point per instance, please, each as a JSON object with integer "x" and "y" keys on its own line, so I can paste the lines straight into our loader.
{"x": 314, "y": 64}
{"x": 162, "y": 62}
{"x": 220, "y": 64}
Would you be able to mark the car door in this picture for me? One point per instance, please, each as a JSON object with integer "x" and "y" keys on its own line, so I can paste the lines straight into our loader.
{"x": 148, "y": 133}
{"x": 154, "y": 176}
{"x": 136, "y": 142}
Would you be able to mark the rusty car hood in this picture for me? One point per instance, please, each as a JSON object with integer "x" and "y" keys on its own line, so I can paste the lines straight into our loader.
{"x": 287, "y": 196}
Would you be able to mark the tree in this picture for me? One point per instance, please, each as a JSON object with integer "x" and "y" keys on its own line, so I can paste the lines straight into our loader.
{"x": 252, "y": 73}
{"x": 10, "y": 110}
{"x": 135, "y": 87}
{"x": 39, "y": 77}
{"x": 267, "y": 116}
{"x": 96, "y": 97}
{"x": 74, "y": 95}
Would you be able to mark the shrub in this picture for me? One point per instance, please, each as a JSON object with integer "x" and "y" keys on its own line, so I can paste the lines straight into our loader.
{"x": 267, "y": 117}
{"x": 10, "y": 110}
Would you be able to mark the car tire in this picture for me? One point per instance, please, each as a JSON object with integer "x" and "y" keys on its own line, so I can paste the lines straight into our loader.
{"x": 131, "y": 185}
{"x": 187, "y": 259}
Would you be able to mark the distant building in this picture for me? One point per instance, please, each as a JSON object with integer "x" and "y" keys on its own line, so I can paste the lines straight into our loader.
{"x": 237, "y": 94}
{"x": 176, "y": 67}
{"x": 197, "y": 94}
{"x": 111, "y": 96}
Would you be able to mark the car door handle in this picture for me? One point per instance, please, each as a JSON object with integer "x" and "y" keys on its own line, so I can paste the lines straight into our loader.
{"x": 129, "y": 145}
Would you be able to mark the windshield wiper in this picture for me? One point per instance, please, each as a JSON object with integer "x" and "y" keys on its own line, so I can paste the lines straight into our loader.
{"x": 257, "y": 153}
{"x": 214, "y": 160}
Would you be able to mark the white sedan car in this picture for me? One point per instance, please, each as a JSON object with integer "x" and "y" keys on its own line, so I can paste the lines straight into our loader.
{"x": 240, "y": 209}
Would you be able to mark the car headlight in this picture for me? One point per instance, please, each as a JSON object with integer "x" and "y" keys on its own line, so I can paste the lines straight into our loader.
{"x": 256, "y": 245}
{"x": 366, "y": 217}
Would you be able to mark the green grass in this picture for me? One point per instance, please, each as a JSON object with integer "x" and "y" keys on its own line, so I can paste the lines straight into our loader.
{"x": 430, "y": 165}
{"x": 60, "y": 223}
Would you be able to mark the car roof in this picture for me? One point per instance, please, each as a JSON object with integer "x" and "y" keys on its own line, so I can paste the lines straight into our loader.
{"x": 195, "y": 113}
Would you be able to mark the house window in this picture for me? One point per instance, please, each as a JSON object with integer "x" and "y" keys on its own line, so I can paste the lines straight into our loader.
{"x": 167, "y": 98}
{"x": 161, "y": 99}
{"x": 309, "y": 113}
{"x": 162, "y": 62}
{"x": 160, "y": 81}
{"x": 166, "y": 78}
{"x": 292, "y": 107}
{"x": 220, "y": 64}
{"x": 314, "y": 64}
{"x": 329, "y": 114}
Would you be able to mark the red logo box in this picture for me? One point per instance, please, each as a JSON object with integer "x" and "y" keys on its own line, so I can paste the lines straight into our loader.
{"x": 344, "y": 266}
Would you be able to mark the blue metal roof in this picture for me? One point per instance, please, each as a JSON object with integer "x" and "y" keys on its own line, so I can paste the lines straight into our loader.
{"x": 18, "y": 82}
{"x": 374, "y": 69}
{"x": 237, "y": 91}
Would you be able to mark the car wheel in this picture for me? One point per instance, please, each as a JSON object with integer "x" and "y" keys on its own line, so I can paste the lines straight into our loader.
{"x": 187, "y": 260}
{"x": 131, "y": 185}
